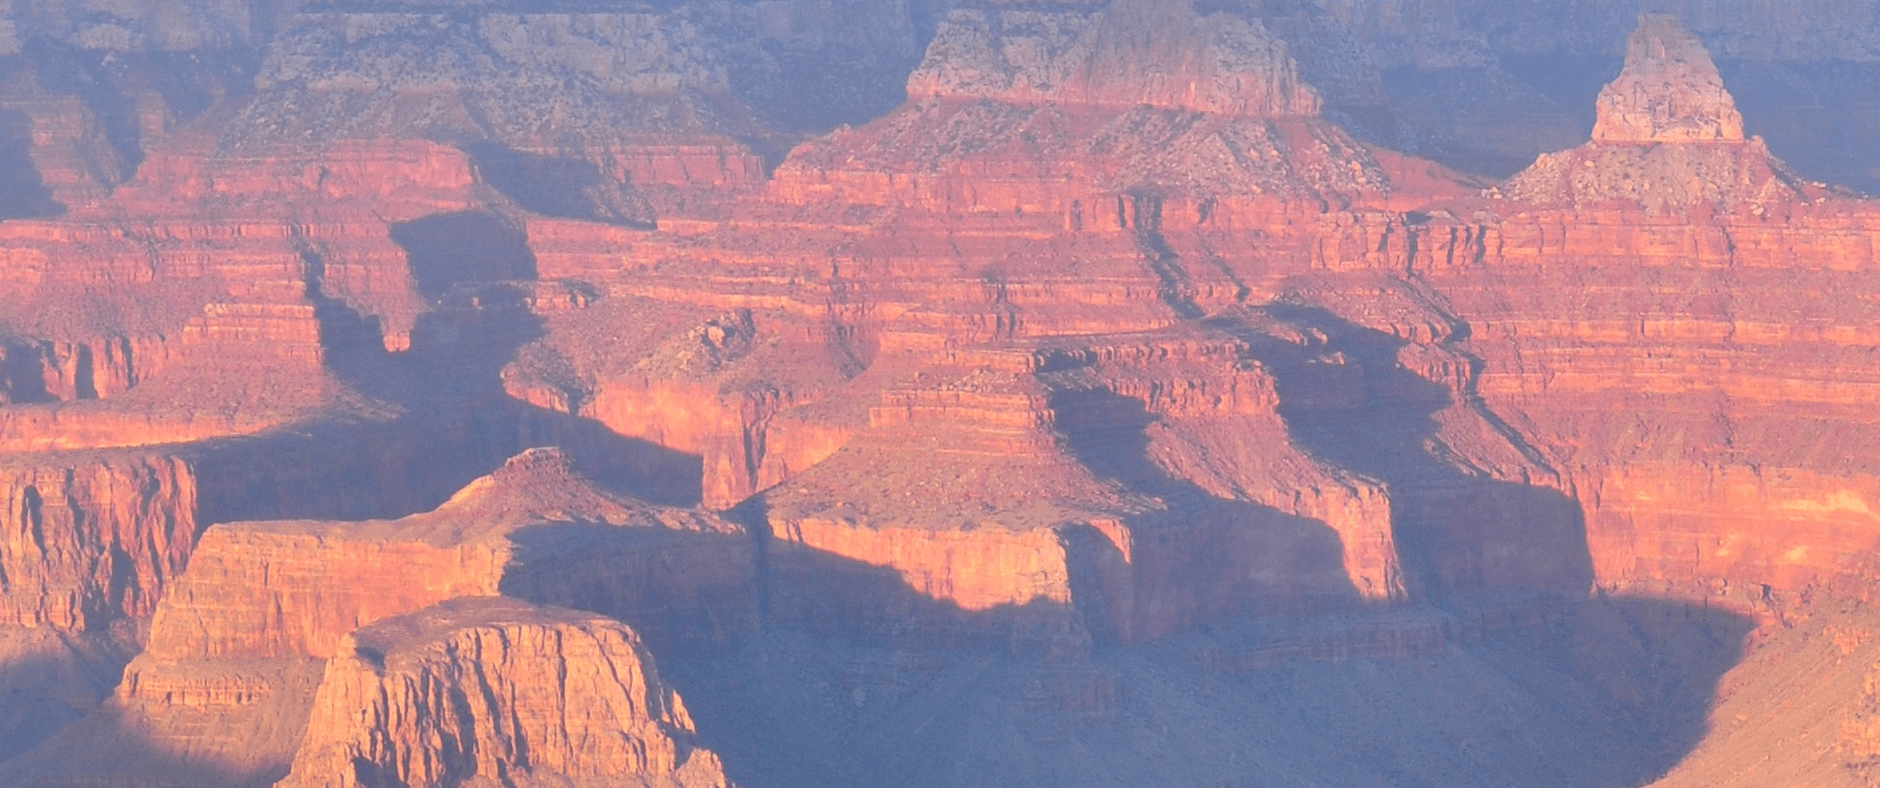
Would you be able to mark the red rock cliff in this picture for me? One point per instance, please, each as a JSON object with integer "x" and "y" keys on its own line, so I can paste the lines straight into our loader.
{"x": 492, "y": 689}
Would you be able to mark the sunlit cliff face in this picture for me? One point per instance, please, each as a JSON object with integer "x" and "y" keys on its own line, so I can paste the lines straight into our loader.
{"x": 889, "y": 392}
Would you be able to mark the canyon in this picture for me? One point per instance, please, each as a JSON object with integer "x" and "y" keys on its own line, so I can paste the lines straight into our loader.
{"x": 869, "y": 392}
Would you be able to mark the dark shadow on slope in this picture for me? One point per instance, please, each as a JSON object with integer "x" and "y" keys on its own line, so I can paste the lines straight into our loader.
{"x": 1819, "y": 118}
{"x": 457, "y": 423}
{"x": 190, "y": 82}
{"x": 860, "y": 680}
{"x": 1571, "y": 82}
{"x": 1462, "y": 538}
{"x": 47, "y": 686}
{"x": 1142, "y": 213}
{"x": 22, "y": 374}
{"x": 448, "y": 249}
{"x": 114, "y": 757}
{"x": 1485, "y": 120}
{"x": 215, "y": 744}
{"x": 562, "y": 188}
{"x": 1202, "y": 560}
{"x": 61, "y": 69}
{"x": 25, "y": 194}
{"x": 686, "y": 593}
{"x": 815, "y": 91}
{"x": 1653, "y": 665}
{"x": 694, "y": 594}
{"x": 828, "y": 595}
{"x": 1489, "y": 119}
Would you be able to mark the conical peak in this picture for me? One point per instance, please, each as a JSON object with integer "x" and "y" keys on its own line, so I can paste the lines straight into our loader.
{"x": 538, "y": 485}
{"x": 1158, "y": 53}
{"x": 1669, "y": 91}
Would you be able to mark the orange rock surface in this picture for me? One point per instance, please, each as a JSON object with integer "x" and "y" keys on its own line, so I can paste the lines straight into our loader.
{"x": 283, "y": 589}
{"x": 1669, "y": 91}
{"x": 492, "y": 689}
{"x": 1106, "y": 374}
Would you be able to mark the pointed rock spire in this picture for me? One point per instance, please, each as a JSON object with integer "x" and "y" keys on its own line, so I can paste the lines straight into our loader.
{"x": 1670, "y": 90}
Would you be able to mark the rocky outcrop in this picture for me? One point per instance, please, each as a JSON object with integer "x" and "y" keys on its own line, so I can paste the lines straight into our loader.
{"x": 284, "y": 589}
{"x": 95, "y": 539}
{"x": 1668, "y": 137}
{"x": 488, "y": 689}
{"x": 98, "y": 536}
{"x": 1071, "y": 114}
{"x": 1670, "y": 91}
{"x": 223, "y": 689}
{"x": 196, "y": 229}
{"x": 1078, "y": 485}
{"x": 709, "y": 384}
{"x": 1100, "y": 120}
{"x": 1668, "y": 201}
{"x": 1739, "y": 178}
{"x": 1129, "y": 53}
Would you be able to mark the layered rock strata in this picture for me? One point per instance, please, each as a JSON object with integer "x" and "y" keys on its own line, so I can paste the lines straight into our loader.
{"x": 224, "y": 687}
{"x": 1216, "y": 64}
{"x": 491, "y": 689}
{"x": 1669, "y": 91}
{"x": 264, "y": 590}
{"x": 1065, "y": 352}
{"x": 1654, "y": 341}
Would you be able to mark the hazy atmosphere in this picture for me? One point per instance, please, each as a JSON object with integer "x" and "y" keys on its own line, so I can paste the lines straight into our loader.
{"x": 826, "y": 393}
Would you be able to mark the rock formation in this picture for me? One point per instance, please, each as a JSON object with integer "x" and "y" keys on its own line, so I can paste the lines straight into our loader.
{"x": 1130, "y": 53}
{"x": 486, "y": 689}
{"x": 1668, "y": 135}
{"x": 1670, "y": 91}
{"x": 235, "y": 649}
{"x": 279, "y": 589}
{"x": 1106, "y": 397}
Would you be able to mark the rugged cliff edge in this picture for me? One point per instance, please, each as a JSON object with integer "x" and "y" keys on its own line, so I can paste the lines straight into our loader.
{"x": 1064, "y": 53}
{"x": 477, "y": 691}
{"x": 1670, "y": 90}
{"x": 534, "y": 527}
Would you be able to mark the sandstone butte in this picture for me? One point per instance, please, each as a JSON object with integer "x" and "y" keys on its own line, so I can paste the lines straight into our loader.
{"x": 1104, "y": 413}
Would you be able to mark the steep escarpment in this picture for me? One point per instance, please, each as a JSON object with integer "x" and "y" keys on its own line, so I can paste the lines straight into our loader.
{"x": 1686, "y": 354}
{"x": 1043, "y": 111}
{"x": 1218, "y": 63}
{"x": 1086, "y": 476}
{"x": 95, "y": 539}
{"x": 492, "y": 689}
{"x": 1040, "y": 309}
{"x": 1669, "y": 91}
{"x": 1667, "y": 135}
{"x": 224, "y": 687}
{"x": 1486, "y": 86}
{"x": 262, "y": 590}
{"x": 705, "y": 382}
